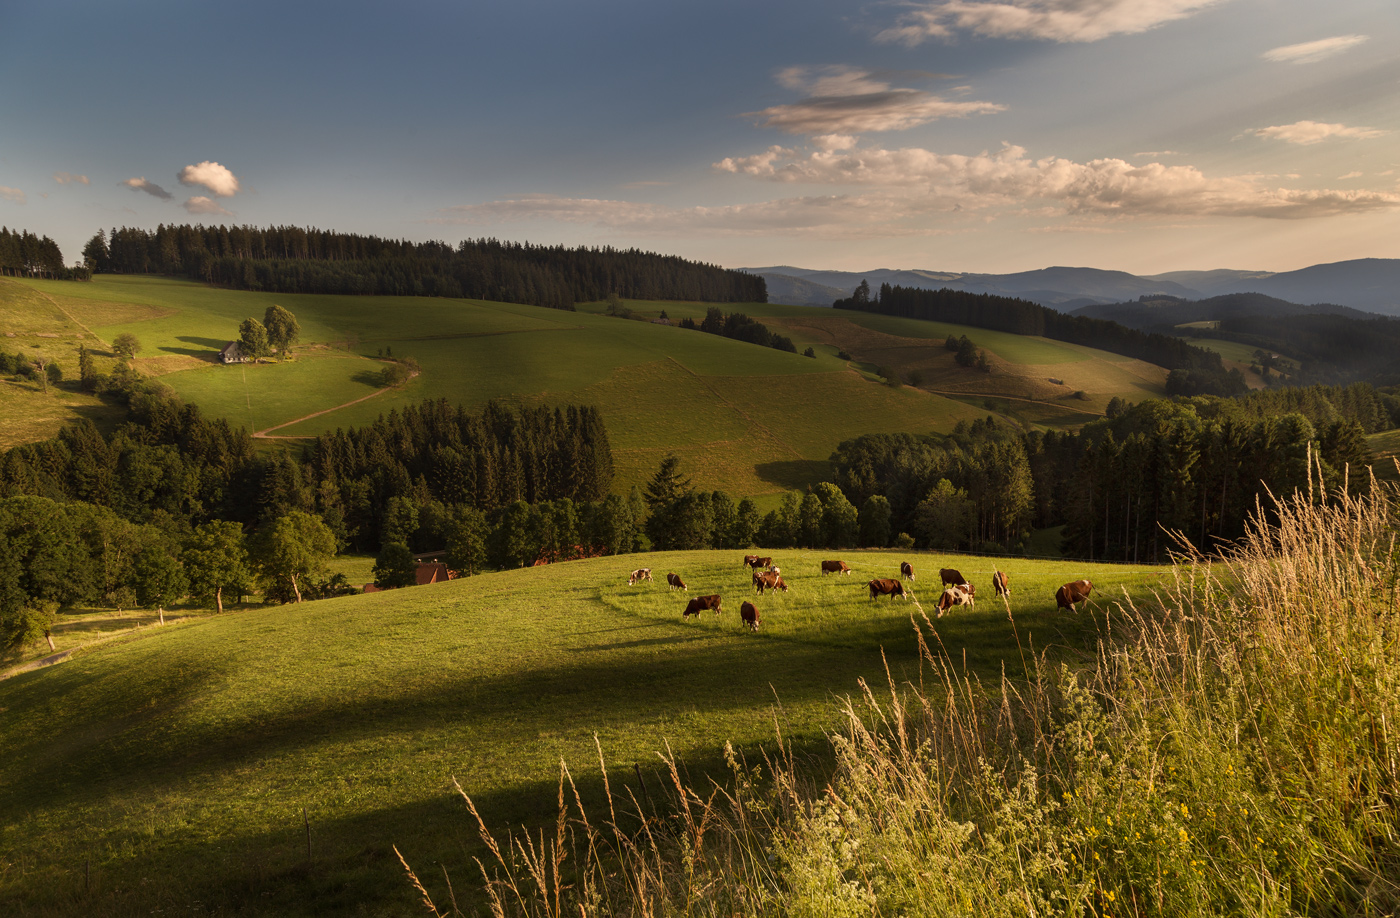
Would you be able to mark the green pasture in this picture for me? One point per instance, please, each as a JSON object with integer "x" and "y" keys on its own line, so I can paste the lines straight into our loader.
{"x": 38, "y": 327}
{"x": 1229, "y": 350}
{"x": 169, "y": 768}
{"x": 746, "y": 419}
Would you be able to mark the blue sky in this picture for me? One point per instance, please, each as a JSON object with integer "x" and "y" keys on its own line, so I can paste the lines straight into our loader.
{"x": 971, "y": 135}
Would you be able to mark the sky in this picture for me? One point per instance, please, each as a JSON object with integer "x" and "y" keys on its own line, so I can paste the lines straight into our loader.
{"x": 952, "y": 135}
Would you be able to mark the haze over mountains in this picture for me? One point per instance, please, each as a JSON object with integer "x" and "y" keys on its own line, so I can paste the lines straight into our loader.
{"x": 1369, "y": 284}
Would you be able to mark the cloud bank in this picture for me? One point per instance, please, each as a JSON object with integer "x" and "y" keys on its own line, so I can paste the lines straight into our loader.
{"x": 1310, "y": 52}
{"x": 212, "y": 176}
{"x": 1311, "y": 132}
{"x": 200, "y": 204}
{"x": 1010, "y": 178}
{"x": 847, "y": 100}
{"x": 66, "y": 178}
{"x": 919, "y": 192}
{"x": 13, "y": 195}
{"x": 151, "y": 188}
{"x": 1045, "y": 20}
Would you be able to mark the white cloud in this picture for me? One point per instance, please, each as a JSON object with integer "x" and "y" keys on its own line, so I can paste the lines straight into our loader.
{"x": 1050, "y": 20}
{"x": 1159, "y": 153}
{"x": 919, "y": 192}
{"x": 218, "y": 179}
{"x": 1010, "y": 178}
{"x": 199, "y": 204}
{"x": 1310, "y": 52}
{"x": 1350, "y": 175}
{"x": 151, "y": 188}
{"x": 1310, "y": 132}
{"x": 65, "y": 178}
{"x": 13, "y": 195}
{"x": 833, "y": 141}
{"x": 846, "y": 100}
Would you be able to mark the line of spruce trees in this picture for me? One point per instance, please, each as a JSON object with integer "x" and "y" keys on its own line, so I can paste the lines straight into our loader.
{"x": 290, "y": 259}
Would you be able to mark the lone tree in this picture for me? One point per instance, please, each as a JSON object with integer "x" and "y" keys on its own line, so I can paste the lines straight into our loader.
{"x": 293, "y": 549}
{"x": 252, "y": 339}
{"x": 395, "y": 567}
{"x": 283, "y": 329}
{"x": 215, "y": 560}
{"x": 126, "y": 345}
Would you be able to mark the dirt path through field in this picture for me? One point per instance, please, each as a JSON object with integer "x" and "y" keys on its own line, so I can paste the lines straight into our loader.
{"x": 70, "y": 317}
{"x": 267, "y": 432}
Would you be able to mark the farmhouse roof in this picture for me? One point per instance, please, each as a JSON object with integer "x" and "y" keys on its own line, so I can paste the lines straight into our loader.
{"x": 432, "y": 572}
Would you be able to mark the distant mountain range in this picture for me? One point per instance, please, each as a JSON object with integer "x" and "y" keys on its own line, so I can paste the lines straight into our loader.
{"x": 1369, "y": 284}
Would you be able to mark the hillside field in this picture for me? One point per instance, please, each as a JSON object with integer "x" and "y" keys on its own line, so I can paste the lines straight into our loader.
{"x": 173, "y": 765}
{"x": 750, "y": 420}
{"x": 1034, "y": 380}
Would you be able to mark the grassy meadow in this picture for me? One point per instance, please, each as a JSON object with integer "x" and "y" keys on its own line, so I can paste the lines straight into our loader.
{"x": 750, "y": 420}
{"x": 167, "y": 769}
{"x": 38, "y": 325}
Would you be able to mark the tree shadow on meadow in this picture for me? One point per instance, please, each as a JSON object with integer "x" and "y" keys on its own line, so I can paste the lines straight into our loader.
{"x": 794, "y": 474}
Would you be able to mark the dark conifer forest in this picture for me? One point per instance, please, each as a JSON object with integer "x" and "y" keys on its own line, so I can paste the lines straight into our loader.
{"x": 289, "y": 259}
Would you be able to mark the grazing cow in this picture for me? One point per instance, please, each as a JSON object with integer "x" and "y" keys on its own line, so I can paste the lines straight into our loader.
{"x": 999, "y": 583}
{"x": 675, "y": 582}
{"x": 769, "y": 580}
{"x": 758, "y": 562}
{"x": 906, "y": 571}
{"x": 639, "y": 575}
{"x": 748, "y": 614}
{"x": 834, "y": 567}
{"x": 951, "y": 577}
{"x": 749, "y": 560}
{"x": 700, "y": 604}
{"x": 1069, "y": 595}
{"x": 886, "y": 587}
{"x": 955, "y": 596}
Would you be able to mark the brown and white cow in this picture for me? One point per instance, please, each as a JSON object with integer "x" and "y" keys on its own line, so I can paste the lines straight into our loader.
{"x": 769, "y": 580}
{"x": 674, "y": 581}
{"x": 952, "y": 577}
{"x": 758, "y": 562}
{"x": 749, "y": 560}
{"x": 886, "y": 587}
{"x": 999, "y": 583}
{"x": 955, "y": 596}
{"x": 700, "y": 604}
{"x": 834, "y": 567}
{"x": 748, "y": 614}
{"x": 906, "y": 571}
{"x": 643, "y": 573}
{"x": 1073, "y": 593}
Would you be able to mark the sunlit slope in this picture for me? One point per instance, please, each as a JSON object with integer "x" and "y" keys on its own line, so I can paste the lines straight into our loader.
{"x": 37, "y": 327}
{"x": 747, "y": 419}
{"x": 179, "y": 761}
{"x": 1037, "y": 380}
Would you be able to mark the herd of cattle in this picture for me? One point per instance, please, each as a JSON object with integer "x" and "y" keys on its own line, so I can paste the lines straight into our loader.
{"x": 957, "y": 590}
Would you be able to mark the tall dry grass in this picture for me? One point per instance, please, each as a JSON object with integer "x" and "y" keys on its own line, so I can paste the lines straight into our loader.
{"x": 1232, "y": 750}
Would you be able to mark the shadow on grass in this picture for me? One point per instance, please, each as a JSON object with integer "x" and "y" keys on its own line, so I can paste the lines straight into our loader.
{"x": 214, "y": 343}
{"x": 794, "y": 474}
{"x": 352, "y": 868}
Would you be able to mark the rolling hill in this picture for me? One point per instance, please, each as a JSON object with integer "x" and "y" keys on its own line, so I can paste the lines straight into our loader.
{"x": 265, "y": 761}
{"x": 1369, "y": 284}
{"x": 750, "y": 420}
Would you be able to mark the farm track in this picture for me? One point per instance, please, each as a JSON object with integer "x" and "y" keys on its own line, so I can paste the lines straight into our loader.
{"x": 267, "y": 432}
{"x": 69, "y": 316}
